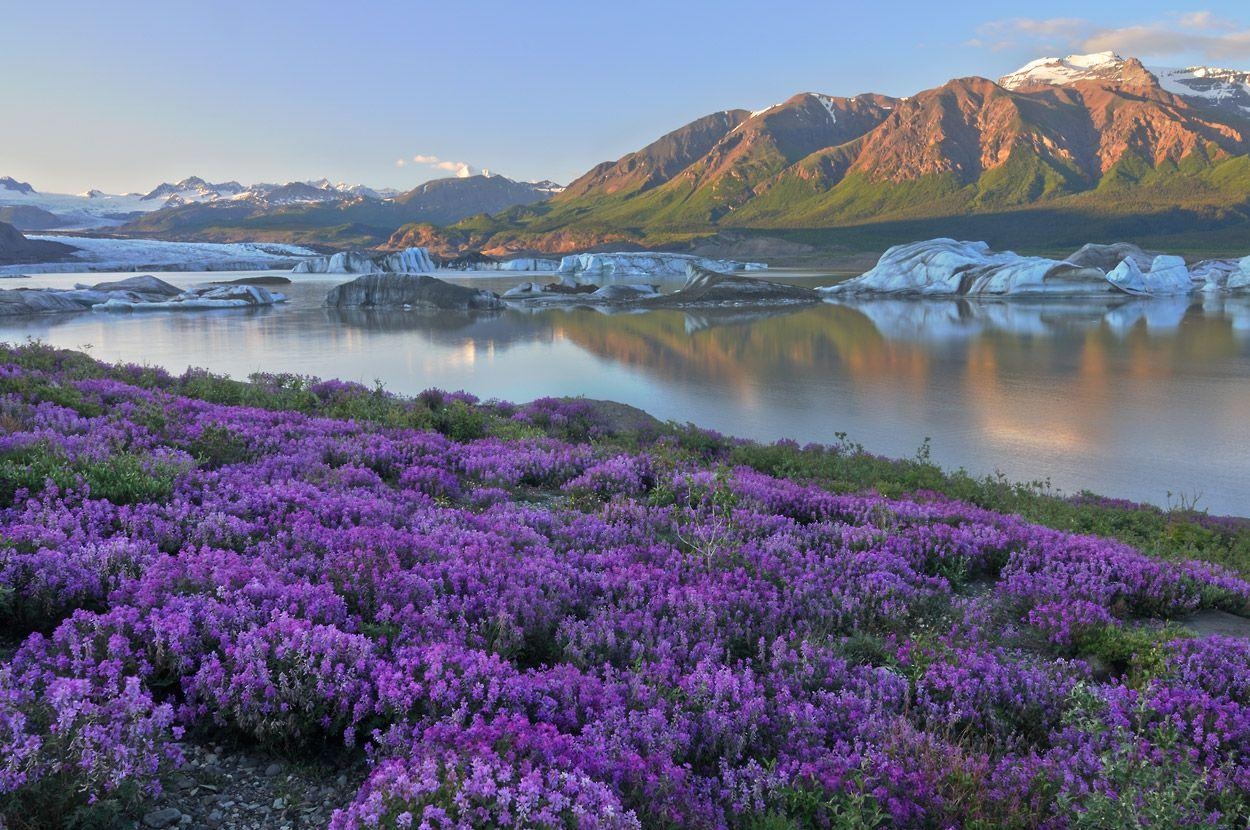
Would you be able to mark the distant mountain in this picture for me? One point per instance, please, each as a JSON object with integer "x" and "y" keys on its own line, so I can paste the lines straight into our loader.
{"x": 32, "y": 210}
{"x": 194, "y": 189}
{"x": 320, "y": 212}
{"x": 31, "y": 218}
{"x": 16, "y": 248}
{"x": 1069, "y": 147}
{"x": 14, "y": 186}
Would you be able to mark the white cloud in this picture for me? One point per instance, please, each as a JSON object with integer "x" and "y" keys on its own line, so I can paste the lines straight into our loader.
{"x": 400, "y": 162}
{"x": 1199, "y": 33}
{"x": 461, "y": 169}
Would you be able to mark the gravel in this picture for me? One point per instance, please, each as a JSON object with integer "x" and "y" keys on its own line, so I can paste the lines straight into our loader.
{"x": 240, "y": 789}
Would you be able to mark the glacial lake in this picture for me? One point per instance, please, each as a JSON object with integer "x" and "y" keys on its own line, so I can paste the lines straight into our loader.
{"x": 1129, "y": 398}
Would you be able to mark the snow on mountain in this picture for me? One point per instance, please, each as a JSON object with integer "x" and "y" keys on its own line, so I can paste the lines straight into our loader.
{"x": 547, "y": 186}
{"x": 1226, "y": 89}
{"x": 13, "y": 185}
{"x": 194, "y": 189}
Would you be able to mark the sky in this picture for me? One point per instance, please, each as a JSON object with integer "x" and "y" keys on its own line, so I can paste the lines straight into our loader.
{"x": 123, "y": 95}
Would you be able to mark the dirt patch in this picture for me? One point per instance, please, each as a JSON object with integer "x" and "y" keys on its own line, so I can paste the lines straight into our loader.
{"x": 1205, "y": 623}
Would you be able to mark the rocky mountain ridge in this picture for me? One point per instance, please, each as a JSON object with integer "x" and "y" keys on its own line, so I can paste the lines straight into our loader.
{"x": 1087, "y": 139}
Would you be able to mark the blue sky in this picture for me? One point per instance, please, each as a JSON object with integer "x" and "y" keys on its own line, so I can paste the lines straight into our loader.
{"x": 123, "y": 95}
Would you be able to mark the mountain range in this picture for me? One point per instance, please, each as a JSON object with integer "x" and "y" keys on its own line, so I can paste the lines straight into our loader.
{"x": 1059, "y": 152}
{"x": 320, "y": 211}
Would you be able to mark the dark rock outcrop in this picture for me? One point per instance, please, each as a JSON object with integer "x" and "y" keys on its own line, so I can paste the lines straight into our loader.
{"x": 409, "y": 291}
{"x": 17, "y": 249}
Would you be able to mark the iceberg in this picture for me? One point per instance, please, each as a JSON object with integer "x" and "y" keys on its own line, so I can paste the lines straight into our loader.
{"x": 1222, "y": 274}
{"x": 221, "y": 296}
{"x": 1167, "y": 275}
{"x": 528, "y": 264}
{"x": 146, "y": 293}
{"x": 588, "y": 267}
{"x": 950, "y": 268}
{"x": 408, "y": 261}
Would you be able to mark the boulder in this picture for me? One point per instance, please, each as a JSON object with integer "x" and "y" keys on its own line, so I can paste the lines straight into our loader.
{"x": 408, "y": 291}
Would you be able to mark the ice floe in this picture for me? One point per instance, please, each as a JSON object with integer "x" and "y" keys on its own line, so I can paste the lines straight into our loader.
{"x": 950, "y": 268}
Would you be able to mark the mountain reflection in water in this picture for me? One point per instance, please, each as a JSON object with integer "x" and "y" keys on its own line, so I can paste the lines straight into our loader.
{"x": 1132, "y": 398}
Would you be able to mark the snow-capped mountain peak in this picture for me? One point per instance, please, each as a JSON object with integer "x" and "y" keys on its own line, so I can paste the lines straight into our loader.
{"x": 1059, "y": 71}
{"x": 1225, "y": 89}
{"x": 13, "y": 185}
{"x": 194, "y": 189}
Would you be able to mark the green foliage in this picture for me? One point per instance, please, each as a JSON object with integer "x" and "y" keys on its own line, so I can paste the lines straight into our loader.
{"x": 1144, "y": 793}
{"x": 1139, "y": 653}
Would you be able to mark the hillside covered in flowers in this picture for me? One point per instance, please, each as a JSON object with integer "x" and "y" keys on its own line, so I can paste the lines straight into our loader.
{"x": 540, "y": 616}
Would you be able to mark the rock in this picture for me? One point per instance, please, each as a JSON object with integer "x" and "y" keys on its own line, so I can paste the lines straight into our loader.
{"x": 272, "y": 770}
{"x": 408, "y": 261}
{"x": 145, "y": 284}
{"x": 215, "y": 818}
{"x": 408, "y": 290}
{"x": 164, "y": 817}
{"x": 279, "y": 803}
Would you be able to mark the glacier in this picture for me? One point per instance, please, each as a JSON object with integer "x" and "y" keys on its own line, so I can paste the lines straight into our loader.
{"x": 98, "y": 254}
{"x": 950, "y": 268}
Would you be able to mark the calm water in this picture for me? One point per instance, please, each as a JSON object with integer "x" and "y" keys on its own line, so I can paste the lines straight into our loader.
{"x": 1133, "y": 399}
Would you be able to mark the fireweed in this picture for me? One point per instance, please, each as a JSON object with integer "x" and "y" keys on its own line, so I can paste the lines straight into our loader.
{"x": 521, "y": 623}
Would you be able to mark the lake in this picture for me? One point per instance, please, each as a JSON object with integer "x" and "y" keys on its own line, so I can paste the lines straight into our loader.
{"x": 1128, "y": 398}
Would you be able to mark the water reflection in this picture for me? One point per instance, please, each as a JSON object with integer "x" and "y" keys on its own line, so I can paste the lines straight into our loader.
{"x": 1129, "y": 397}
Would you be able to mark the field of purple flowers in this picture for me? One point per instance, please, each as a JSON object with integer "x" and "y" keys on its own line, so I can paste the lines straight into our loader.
{"x": 526, "y": 617}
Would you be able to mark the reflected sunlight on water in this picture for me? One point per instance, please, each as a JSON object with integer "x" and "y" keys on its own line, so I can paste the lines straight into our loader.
{"x": 1127, "y": 397}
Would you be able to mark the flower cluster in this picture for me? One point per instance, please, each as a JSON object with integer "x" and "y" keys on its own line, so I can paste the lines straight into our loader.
{"x": 544, "y": 628}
